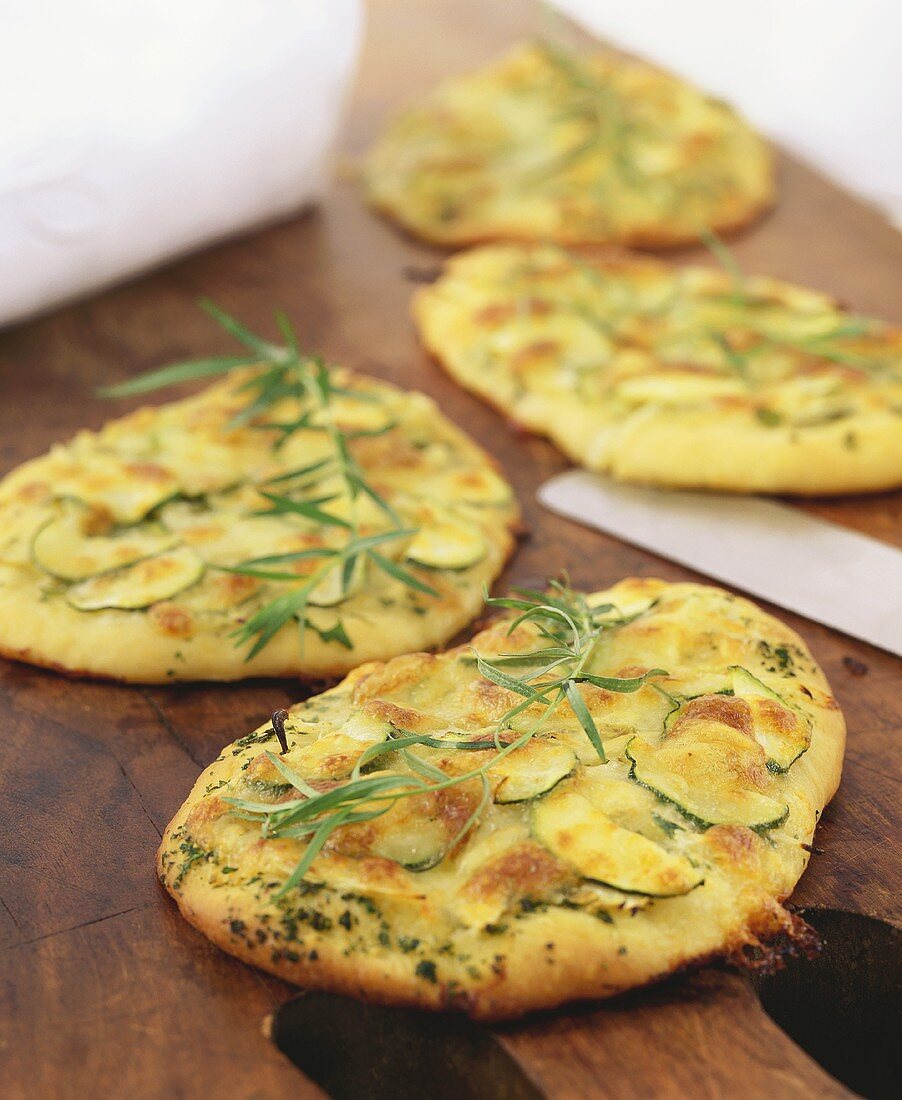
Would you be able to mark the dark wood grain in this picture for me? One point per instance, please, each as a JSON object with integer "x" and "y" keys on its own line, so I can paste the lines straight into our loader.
{"x": 105, "y": 991}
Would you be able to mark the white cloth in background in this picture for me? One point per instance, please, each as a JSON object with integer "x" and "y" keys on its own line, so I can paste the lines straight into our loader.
{"x": 822, "y": 77}
{"x": 135, "y": 130}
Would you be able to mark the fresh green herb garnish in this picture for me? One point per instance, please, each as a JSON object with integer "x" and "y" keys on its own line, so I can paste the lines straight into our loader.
{"x": 597, "y": 103}
{"x": 825, "y": 345}
{"x": 546, "y": 678}
{"x": 289, "y": 380}
{"x": 728, "y": 262}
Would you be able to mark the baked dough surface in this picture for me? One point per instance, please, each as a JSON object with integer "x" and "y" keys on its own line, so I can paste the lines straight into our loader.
{"x": 673, "y": 376}
{"x": 146, "y": 511}
{"x": 544, "y": 145}
{"x": 576, "y": 882}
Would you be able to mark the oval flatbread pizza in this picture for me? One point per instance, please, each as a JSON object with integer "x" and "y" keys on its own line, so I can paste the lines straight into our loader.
{"x": 596, "y": 792}
{"x": 546, "y": 145}
{"x": 675, "y": 376}
{"x": 249, "y": 531}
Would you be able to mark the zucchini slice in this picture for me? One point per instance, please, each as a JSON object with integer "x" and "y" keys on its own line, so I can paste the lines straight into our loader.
{"x": 334, "y": 755}
{"x": 227, "y": 538}
{"x": 532, "y": 770}
{"x": 139, "y": 585}
{"x": 331, "y": 590}
{"x": 481, "y": 487}
{"x": 706, "y": 778}
{"x": 64, "y": 548}
{"x": 579, "y": 833}
{"x": 126, "y": 487}
{"x": 403, "y": 837}
{"x": 783, "y": 733}
{"x": 420, "y": 830}
{"x": 677, "y": 387}
{"x": 626, "y": 803}
{"x": 448, "y": 546}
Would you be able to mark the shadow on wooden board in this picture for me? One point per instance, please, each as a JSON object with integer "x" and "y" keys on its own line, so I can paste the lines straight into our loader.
{"x": 842, "y": 1007}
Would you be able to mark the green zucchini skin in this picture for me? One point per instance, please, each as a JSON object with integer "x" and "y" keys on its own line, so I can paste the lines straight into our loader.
{"x": 742, "y": 807}
{"x": 583, "y": 836}
{"x": 127, "y": 590}
{"x": 62, "y": 547}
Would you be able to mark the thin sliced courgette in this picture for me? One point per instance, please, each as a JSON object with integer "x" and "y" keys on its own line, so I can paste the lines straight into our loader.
{"x": 579, "y": 833}
{"x": 415, "y": 843}
{"x": 417, "y": 831}
{"x": 677, "y": 388}
{"x": 333, "y": 590}
{"x": 532, "y": 770}
{"x": 477, "y": 485}
{"x": 128, "y": 488}
{"x": 624, "y": 802}
{"x": 783, "y": 733}
{"x": 227, "y": 538}
{"x": 448, "y": 546}
{"x": 334, "y": 755}
{"x": 706, "y": 778}
{"x": 139, "y": 585}
{"x": 64, "y": 548}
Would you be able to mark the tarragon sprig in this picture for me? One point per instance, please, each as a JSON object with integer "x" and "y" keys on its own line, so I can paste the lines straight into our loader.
{"x": 568, "y": 630}
{"x": 600, "y": 105}
{"x": 286, "y": 376}
{"x": 819, "y": 345}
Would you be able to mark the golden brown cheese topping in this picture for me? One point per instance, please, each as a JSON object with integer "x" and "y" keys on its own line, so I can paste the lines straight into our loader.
{"x": 184, "y": 539}
{"x": 677, "y": 376}
{"x": 631, "y": 777}
{"x": 546, "y": 145}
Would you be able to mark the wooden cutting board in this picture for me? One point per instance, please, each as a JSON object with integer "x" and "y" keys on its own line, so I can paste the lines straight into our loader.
{"x": 105, "y": 990}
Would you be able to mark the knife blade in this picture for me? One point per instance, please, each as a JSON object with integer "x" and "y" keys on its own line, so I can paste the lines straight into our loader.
{"x": 825, "y": 572}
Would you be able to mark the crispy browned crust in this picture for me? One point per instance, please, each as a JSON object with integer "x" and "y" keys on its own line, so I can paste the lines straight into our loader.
{"x": 769, "y": 936}
{"x": 642, "y": 240}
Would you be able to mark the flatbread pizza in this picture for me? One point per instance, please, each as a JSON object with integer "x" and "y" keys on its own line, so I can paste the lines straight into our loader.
{"x": 685, "y": 377}
{"x": 290, "y": 520}
{"x": 597, "y": 791}
{"x": 546, "y": 145}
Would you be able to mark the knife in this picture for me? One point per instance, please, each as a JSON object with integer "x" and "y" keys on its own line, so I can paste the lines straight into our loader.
{"x": 827, "y": 573}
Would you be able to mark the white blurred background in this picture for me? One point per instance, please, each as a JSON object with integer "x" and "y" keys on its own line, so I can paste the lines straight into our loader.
{"x": 132, "y": 131}
{"x": 822, "y": 77}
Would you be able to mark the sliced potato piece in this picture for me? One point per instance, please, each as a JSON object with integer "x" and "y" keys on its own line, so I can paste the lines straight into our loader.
{"x": 448, "y": 546}
{"x": 532, "y": 770}
{"x": 64, "y": 548}
{"x": 707, "y": 779}
{"x": 779, "y": 728}
{"x": 579, "y": 833}
{"x": 139, "y": 585}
